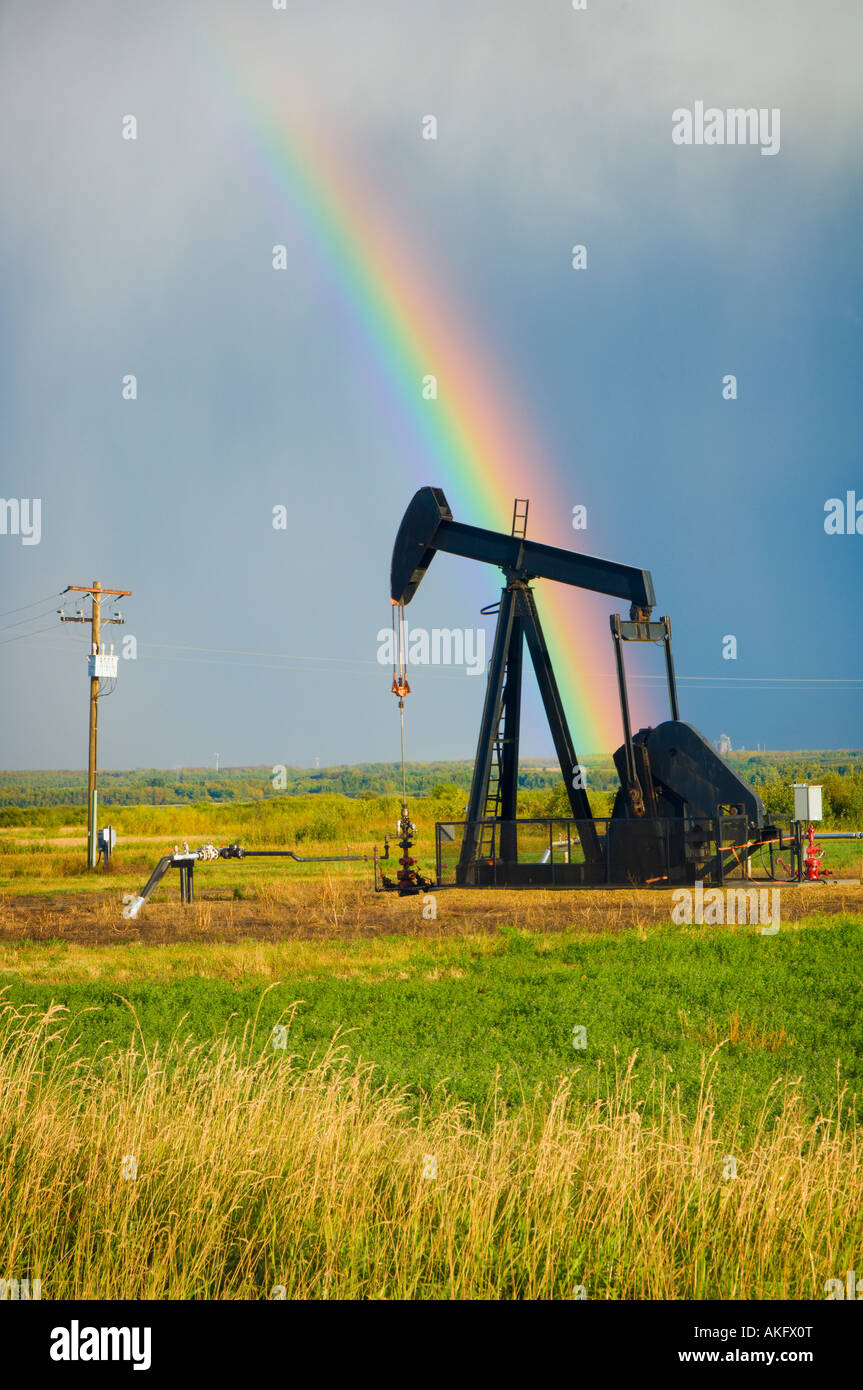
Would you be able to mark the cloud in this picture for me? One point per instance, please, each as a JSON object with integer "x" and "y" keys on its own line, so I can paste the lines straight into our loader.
{"x": 550, "y": 118}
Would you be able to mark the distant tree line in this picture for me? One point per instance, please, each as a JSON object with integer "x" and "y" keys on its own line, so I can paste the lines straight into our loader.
{"x": 158, "y": 787}
{"x": 771, "y": 774}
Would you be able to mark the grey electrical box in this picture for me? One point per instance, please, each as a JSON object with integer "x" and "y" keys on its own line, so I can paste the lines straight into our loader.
{"x": 106, "y": 839}
{"x": 807, "y": 802}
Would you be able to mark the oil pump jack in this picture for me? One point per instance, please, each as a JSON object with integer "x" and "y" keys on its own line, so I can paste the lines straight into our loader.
{"x": 681, "y": 812}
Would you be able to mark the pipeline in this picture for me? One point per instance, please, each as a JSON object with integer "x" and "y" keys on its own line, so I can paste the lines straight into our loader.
{"x": 185, "y": 859}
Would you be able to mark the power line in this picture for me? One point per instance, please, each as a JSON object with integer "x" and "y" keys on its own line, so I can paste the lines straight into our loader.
{"x": 21, "y": 635}
{"x": 34, "y": 618}
{"x": 609, "y": 675}
{"x": 434, "y": 672}
{"x": 282, "y": 656}
{"x": 50, "y": 599}
{"x": 717, "y": 682}
{"x": 703, "y": 682}
{"x": 738, "y": 680}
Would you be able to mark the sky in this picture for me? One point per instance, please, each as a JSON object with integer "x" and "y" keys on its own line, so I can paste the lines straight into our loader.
{"x": 407, "y": 258}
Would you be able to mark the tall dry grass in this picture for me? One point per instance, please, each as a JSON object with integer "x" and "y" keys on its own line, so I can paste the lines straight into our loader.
{"x": 255, "y": 1175}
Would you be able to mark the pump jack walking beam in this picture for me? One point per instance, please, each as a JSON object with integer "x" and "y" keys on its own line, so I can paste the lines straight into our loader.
{"x": 427, "y": 526}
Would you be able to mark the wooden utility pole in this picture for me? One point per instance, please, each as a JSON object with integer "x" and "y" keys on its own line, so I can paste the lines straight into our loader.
{"x": 95, "y": 634}
{"x": 95, "y": 620}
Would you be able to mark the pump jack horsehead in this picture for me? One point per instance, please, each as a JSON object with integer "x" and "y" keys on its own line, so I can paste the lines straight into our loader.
{"x": 681, "y": 812}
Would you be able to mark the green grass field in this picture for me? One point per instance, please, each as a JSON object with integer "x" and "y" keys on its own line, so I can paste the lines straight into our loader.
{"x": 448, "y": 1042}
{"x": 449, "y": 1141}
{"x": 466, "y": 1014}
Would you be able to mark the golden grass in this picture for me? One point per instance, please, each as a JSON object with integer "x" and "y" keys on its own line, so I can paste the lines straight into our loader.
{"x": 255, "y": 1174}
{"x": 372, "y": 959}
{"x": 334, "y": 905}
{"x": 737, "y": 1032}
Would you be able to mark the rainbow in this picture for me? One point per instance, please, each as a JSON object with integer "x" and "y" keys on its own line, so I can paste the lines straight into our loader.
{"x": 469, "y": 441}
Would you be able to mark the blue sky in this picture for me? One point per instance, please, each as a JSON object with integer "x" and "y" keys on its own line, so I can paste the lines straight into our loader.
{"x": 153, "y": 257}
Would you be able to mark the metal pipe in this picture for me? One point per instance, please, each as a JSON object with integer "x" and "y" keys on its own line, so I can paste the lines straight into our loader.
{"x": 301, "y": 858}
{"x": 185, "y": 860}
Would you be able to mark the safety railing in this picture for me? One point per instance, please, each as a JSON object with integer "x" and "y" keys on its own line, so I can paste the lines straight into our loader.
{"x": 650, "y": 851}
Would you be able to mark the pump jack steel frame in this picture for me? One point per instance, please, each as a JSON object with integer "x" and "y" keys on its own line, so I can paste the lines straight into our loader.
{"x": 427, "y": 527}
{"x": 667, "y": 773}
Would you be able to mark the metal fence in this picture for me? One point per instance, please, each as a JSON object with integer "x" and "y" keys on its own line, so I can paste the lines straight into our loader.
{"x": 650, "y": 851}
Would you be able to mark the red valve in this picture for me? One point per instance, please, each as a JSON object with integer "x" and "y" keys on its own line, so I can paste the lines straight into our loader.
{"x": 815, "y": 872}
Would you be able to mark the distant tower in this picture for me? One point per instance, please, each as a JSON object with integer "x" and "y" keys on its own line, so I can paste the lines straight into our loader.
{"x": 724, "y": 744}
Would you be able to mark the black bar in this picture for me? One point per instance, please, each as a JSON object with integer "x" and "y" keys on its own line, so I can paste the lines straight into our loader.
{"x": 195, "y": 1338}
